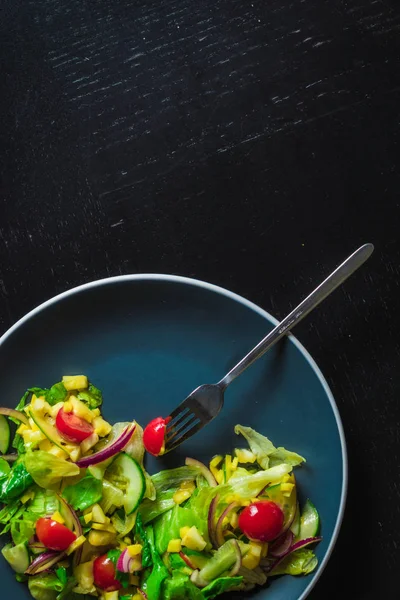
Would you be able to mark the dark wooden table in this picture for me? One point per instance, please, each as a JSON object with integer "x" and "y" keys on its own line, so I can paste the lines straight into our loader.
{"x": 248, "y": 143}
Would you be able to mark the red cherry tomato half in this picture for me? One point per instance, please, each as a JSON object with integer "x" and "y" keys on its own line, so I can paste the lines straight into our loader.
{"x": 104, "y": 574}
{"x": 72, "y": 427}
{"x": 54, "y": 535}
{"x": 154, "y": 435}
{"x": 261, "y": 521}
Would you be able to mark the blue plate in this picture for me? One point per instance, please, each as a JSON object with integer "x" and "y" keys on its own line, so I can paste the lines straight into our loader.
{"x": 149, "y": 340}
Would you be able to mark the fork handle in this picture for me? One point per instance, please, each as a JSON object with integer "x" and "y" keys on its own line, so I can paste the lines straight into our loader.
{"x": 339, "y": 275}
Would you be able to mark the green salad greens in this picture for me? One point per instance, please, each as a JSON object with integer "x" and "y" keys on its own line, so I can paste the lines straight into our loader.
{"x": 82, "y": 518}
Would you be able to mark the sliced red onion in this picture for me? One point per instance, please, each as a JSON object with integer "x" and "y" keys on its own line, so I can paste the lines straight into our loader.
{"x": 301, "y": 544}
{"x": 110, "y": 450}
{"x": 211, "y": 520}
{"x": 73, "y": 517}
{"x": 44, "y": 562}
{"x": 282, "y": 544}
{"x": 9, "y": 457}
{"x": 124, "y": 561}
{"x": 15, "y": 414}
{"x": 205, "y": 471}
{"x": 75, "y": 523}
{"x": 142, "y": 593}
{"x": 238, "y": 562}
{"x": 187, "y": 560}
{"x": 219, "y": 536}
{"x": 36, "y": 547}
{"x": 198, "y": 580}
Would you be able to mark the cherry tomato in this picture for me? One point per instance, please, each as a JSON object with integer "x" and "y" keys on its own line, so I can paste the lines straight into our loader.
{"x": 154, "y": 435}
{"x": 104, "y": 574}
{"x": 261, "y": 521}
{"x": 72, "y": 427}
{"x": 54, "y": 535}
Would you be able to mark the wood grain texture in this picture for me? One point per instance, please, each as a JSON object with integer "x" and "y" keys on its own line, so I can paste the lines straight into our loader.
{"x": 250, "y": 144}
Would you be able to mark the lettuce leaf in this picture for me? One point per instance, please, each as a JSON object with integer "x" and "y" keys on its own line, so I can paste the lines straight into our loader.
{"x": 22, "y": 522}
{"x": 15, "y": 483}
{"x": 167, "y": 526}
{"x": 159, "y": 573}
{"x": 151, "y": 509}
{"x": 171, "y": 479}
{"x": 83, "y": 494}
{"x": 179, "y": 587}
{"x": 57, "y": 393}
{"x": 220, "y": 586}
{"x": 141, "y": 532}
{"x": 45, "y": 587}
{"x": 92, "y": 396}
{"x": 45, "y": 502}
{"x": 299, "y": 562}
{"x": 266, "y": 453}
{"x": 47, "y": 470}
{"x": 23, "y": 529}
{"x": 244, "y": 485}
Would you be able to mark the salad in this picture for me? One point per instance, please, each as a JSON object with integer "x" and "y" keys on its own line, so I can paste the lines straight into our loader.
{"x": 82, "y": 518}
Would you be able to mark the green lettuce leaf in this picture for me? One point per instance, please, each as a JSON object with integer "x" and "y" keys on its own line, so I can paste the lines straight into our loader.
{"x": 266, "y": 453}
{"x": 83, "y": 494}
{"x": 151, "y": 509}
{"x": 299, "y": 562}
{"x": 92, "y": 396}
{"x": 23, "y": 529}
{"x": 159, "y": 573}
{"x": 57, "y": 393}
{"x": 15, "y": 483}
{"x": 23, "y": 521}
{"x": 167, "y": 526}
{"x": 141, "y": 533}
{"x": 45, "y": 502}
{"x": 171, "y": 479}
{"x": 45, "y": 587}
{"x": 166, "y": 483}
{"x": 244, "y": 485}
{"x": 47, "y": 470}
{"x": 220, "y": 586}
{"x": 179, "y": 587}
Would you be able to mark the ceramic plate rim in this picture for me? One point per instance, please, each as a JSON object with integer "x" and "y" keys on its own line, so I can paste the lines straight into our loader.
{"x": 236, "y": 297}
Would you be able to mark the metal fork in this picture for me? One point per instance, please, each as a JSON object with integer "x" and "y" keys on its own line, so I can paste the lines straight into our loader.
{"x": 206, "y": 401}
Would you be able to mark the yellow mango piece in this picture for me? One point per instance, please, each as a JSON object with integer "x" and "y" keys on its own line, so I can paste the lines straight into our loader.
{"x": 216, "y": 461}
{"x": 188, "y": 485}
{"x": 180, "y": 496}
{"x": 98, "y": 515}
{"x": 76, "y": 544}
{"x": 101, "y": 538}
{"x": 58, "y": 517}
{"x": 174, "y": 546}
{"x": 75, "y": 382}
{"x": 183, "y": 531}
{"x": 101, "y": 427}
{"x": 134, "y": 549}
{"x": 250, "y": 561}
{"x": 194, "y": 540}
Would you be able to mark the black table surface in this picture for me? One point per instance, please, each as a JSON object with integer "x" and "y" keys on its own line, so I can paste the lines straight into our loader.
{"x": 247, "y": 143}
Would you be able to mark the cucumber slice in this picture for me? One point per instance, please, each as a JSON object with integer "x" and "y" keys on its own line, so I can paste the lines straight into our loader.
{"x": 48, "y": 430}
{"x": 295, "y": 526}
{"x": 17, "y": 557}
{"x": 126, "y": 474}
{"x": 309, "y": 521}
{"x": 4, "y": 434}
